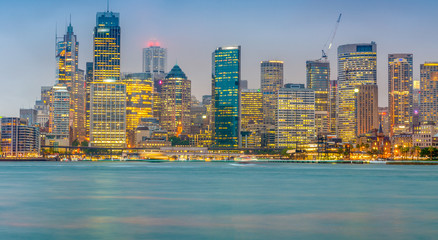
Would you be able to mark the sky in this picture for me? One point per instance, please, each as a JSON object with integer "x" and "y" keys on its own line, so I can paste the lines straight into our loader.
{"x": 293, "y": 31}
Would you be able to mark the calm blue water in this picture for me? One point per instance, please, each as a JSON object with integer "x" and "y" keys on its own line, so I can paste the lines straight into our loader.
{"x": 113, "y": 200}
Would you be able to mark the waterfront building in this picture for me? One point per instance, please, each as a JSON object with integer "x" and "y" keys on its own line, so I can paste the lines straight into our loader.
{"x": 226, "y": 97}
{"x": 366, "y": 108}
{"x": 89, "y": 80}
{"x": 30, "y": 115}
{"x": 107, "y": 93}
{"x": 384, "y": 120}
{"x": 18, "y": 138}
{"x": 400, "y": 97}
{"x": 333, "y": 93}
{"x": 423, "y": 134}
{"x": 271, "y": 82}
{"x": 318, "y": 79}
{"x": 106, "y": 39}
{"x": 251, "y": 117}
{"x": 108, "y": 114}
{"x": 252, "y": 108}
{"x": 67, "y": 58}
{"x": 295, "y": 126}
{"x": 429, "y": 92}
{"x": 78, "y": 107}
{"x": 59, "y": 115}
{"x": 176, "y": 100}
{"x": 139, "y": 104}
{"x": 357, "y": 65}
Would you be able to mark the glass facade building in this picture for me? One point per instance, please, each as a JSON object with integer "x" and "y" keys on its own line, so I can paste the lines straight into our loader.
{"x": 318, "y": 79}
{"x": 400, "y": 97}
{"x": 19, "y": 139}
{"x": 67, "y": 58}
{"x": 154, "y": 59}
{"x": 226, "y": 96}
{"x": 357, "y": 65}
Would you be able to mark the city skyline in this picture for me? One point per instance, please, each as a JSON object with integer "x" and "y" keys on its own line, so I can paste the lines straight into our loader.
{"x": 397, "y": 35}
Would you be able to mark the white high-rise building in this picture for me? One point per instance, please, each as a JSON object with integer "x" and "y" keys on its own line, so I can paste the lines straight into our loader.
{"x": 154, "y": 59}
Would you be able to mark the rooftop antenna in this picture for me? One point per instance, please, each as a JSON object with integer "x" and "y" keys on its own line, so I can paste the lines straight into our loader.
{"x": 107, "y": 5}
{"x": 70, "y": 19}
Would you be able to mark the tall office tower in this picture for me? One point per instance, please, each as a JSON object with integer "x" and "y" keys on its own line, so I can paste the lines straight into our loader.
{"x": 333, "y": 93}
{"x": 295, "y": 125}
{"x": 106, "y": 47}
{"x": 251, "y": 117}
{"x": 154, "y": 59}
{"x": 367, "y": 108}
{"x": 271, "y": 82}
{"x": 67, "y": 58}
{"x": 30, "y": 115}
{"x": 318, "y": 75}
{"x": 88, "y": 80}
{"x": 59, "y": 118}
{"x": 107, "y": 94}
{"x": 77, "y": 109}
{"x": 416, "y": 103}
{"x": 176, "y": 98}
{"x": 139, "y": 90}
{"x": 108, "y": 114}
{"x": 356, "y": 66}
{"x": 252, "y": 108}
{"x": 226, "y": 97}
{"x": 400, "y": 87}
{"x": 17, "y": 138}
{"x": 429, "y": 92}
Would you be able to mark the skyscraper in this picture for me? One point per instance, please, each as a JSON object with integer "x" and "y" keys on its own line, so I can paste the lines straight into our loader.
{"x": 429, "y": 92}
{"x": 154, "y": 59}
{"x": 367, "y": 108}
{"x": 107, "y": 94}
{"x": 400, "y": 97}
{"x": 77, "y": 107}
{"x": 176, "y": 99}
{"x": 318, "y": 75}
{"x": 59, "y": 118}
{"x": 67, "y": 58}
{"x": 333, "y": 94}
{"x": 295, "y": 125}
{"x": 356, "y": 66}
{"x": 106, "y": 47}
{"x": 139, "y": 90}
{"x": 226, "y": 97}
{"x": 271, "y": 82}
{"x": 252, "y": 117}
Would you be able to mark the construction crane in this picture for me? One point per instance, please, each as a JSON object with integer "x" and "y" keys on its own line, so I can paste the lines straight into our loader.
{"x": 329, "y": 42}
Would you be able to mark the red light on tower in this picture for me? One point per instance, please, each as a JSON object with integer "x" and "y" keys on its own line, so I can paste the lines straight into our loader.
{"x": 153, "y": 43}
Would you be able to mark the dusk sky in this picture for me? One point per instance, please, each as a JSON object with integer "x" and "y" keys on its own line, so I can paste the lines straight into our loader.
{"x": 293, "y": 31}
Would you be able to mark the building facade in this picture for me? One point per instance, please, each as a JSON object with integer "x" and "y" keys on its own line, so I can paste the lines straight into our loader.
{"x": 18, "y": 138}
{"x": 333, "y": 115}
{"x": 318, "y": 79}
{"x": 295, "y": 126}
{"x": 154, "y": 59}
{"x": 367, "y": 109}
{"x": 176, "y": 101}
{"x": 226, "y": 96}
{"x": 429, "y": 92}
{"x": 357, "y": 65}
{"x": 67, "y": 58}
{"x": 400, "y": 97}
{"x": 271, "y": 81}
{"x": 251, "y": 117}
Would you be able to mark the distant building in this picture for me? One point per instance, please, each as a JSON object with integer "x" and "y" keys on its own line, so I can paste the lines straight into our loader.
{"x": 400, "y": 97}
{"x": 357, "y": 65}
{"x": 30, "y": 115}
{"x": 295, "y": 125}
{"x": 67, "y": 58}
{"x": 176, "y": 99}
{"x": 423, "y": 134}
{"x": 78, "y": 107}
{"x": 18, "y": 138}
{"x": 206, "y": 100}
{"x": 59, "y": 118}
{"x": 251, "y": 117}
{"x": 226, "y": 97}
{"x": 333, "y": 93}
{"x": 429, "y": 92}
{"x": 294, "y": 85}
{"x": 367, "y": 115}
{"x": 154, "y": 59}
{"x": 384, "y": 120}
{"x": 271, "y": 82}
{"x": 243, "y": 84}
{"x": 416, "y": 103}
{"x": 318, "y": 79}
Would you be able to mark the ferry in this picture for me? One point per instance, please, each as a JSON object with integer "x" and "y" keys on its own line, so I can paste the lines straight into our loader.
{"x": 245, "y": 159}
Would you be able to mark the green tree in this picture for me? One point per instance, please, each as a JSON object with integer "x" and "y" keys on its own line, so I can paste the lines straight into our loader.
{"x": 176, "y": 141}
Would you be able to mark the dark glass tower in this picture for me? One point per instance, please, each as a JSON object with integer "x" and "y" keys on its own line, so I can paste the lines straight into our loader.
{"x": 226, "y": 97}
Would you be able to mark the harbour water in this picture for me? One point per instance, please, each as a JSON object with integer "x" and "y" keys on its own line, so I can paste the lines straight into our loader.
{"x": 174, "y": 200}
